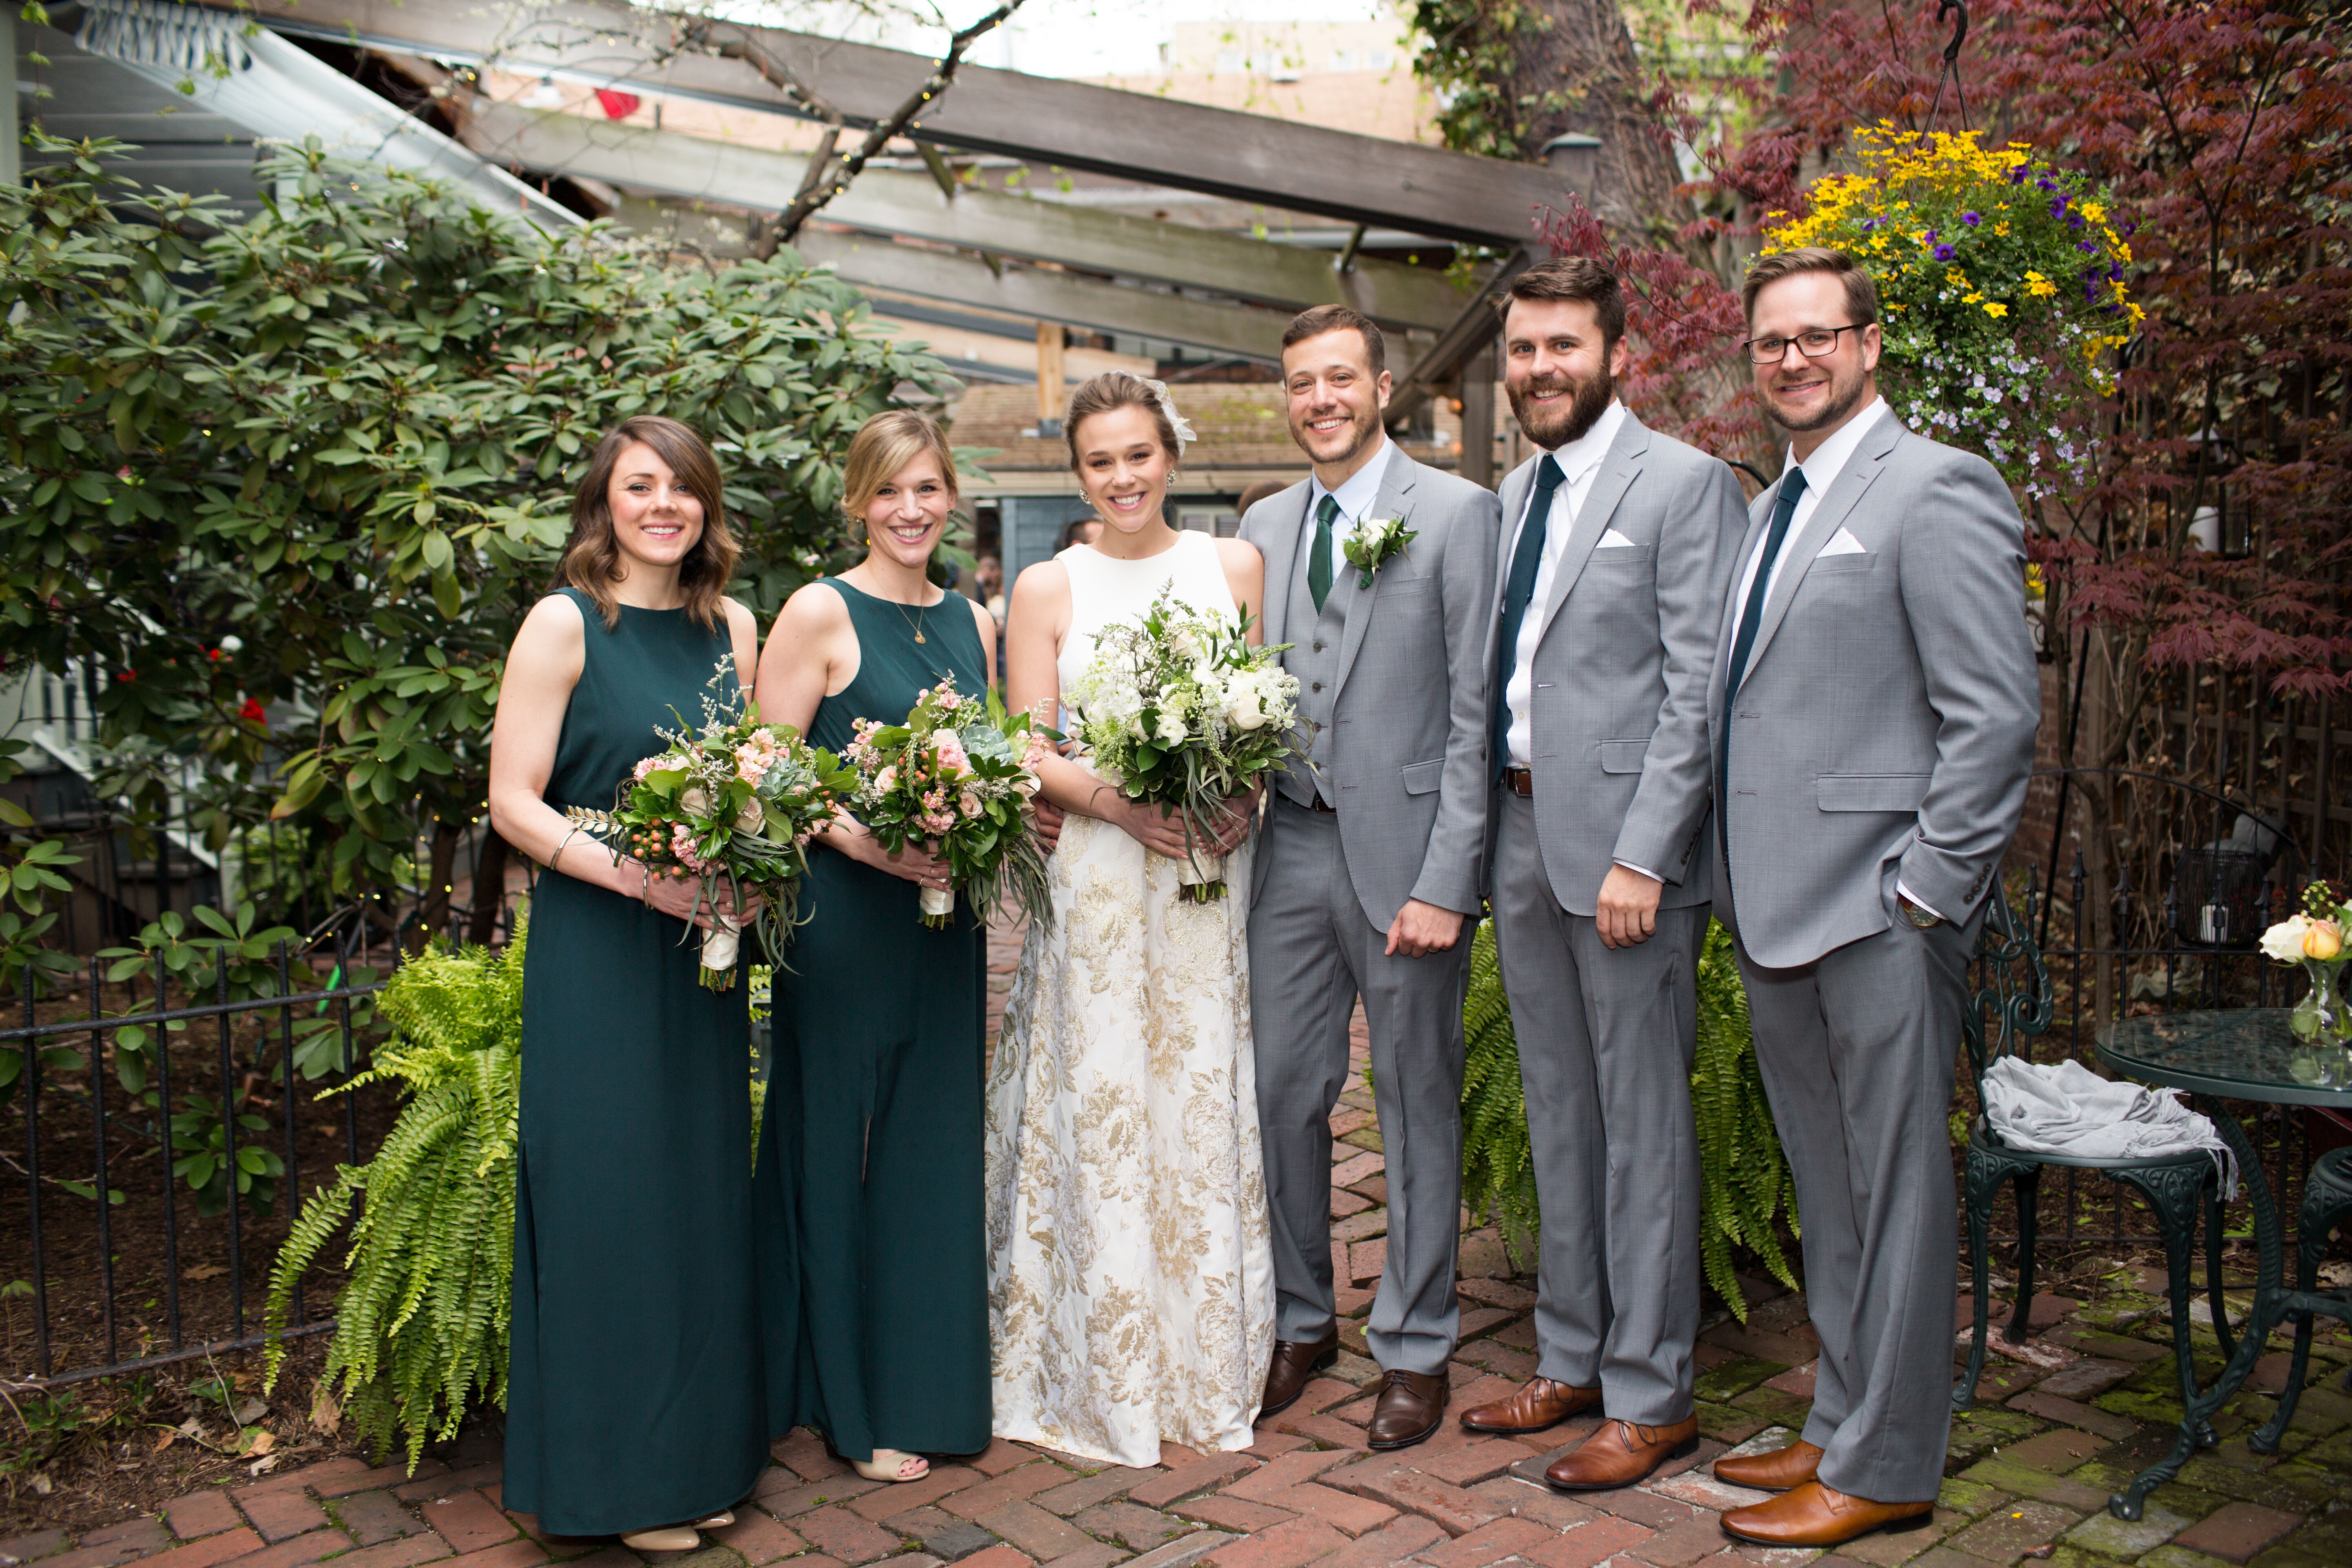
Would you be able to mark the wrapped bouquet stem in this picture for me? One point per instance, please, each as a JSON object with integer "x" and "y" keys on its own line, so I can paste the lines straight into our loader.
{"x": 1180, "y": 711}
{"x": 733, "y": 804}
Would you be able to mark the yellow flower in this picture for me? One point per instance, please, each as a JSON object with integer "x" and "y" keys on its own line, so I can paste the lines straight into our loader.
{"x": 2095, "y": 212}
{"x": 1995, "y": 309}
{"x": 2000, "y": 228}
{"x": 2038, "y": 286}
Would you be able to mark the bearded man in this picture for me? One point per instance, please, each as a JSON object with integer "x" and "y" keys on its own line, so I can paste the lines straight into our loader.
{"x": 1618, "y": 544}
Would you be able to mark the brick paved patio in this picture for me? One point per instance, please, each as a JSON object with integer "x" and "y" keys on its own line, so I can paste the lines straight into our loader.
{"x": 2055, "y": 1430}
{"x": 2060, "y": 1422}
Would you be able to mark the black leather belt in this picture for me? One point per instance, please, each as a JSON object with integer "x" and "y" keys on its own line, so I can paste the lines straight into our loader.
{"x": 1519, "y": 781}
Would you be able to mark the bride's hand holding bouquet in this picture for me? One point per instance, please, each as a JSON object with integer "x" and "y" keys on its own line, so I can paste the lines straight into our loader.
{"x": 1186, "y": 720}
{"x": 946, "y": 794}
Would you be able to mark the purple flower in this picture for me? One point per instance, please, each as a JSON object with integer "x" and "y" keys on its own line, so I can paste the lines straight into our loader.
{"x": 1943, "y": 253}
{"x": 2085, "y": 245}
{"x": 2046, "y": 183}
{"x": 2058, "y": 207}
{"x": 2017, "y": 175}
{"x": 2075, "y": 220}
{"x": 1970, "y": 219}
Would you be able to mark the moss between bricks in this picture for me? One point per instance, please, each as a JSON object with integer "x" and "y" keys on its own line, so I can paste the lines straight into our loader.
{"x": 1727, "y": 1381}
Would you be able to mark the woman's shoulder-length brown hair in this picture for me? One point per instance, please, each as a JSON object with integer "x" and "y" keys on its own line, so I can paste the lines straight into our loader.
{"x": 592, "y": 558}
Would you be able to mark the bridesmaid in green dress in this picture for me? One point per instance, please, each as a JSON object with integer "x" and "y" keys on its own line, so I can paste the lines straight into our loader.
{"x": 878, "y": 1022}
{"x": 635, "y": 1403}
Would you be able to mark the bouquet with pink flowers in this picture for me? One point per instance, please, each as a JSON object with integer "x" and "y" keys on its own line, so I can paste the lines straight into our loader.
{"x": 958, "y": 776}
{"x": 734, "y": 801}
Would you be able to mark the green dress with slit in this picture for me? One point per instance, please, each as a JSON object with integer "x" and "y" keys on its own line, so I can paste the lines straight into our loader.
{"x": 878, "y": 1034}
{"x": 634, "y": 1392}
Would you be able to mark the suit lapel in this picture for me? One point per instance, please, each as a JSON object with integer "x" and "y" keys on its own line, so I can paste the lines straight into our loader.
{"x": 1281, "y": 561}
{"x": 1618, "y": 468}
{"x": 1393, "y": 500}
{"x": 1843, "y": 492}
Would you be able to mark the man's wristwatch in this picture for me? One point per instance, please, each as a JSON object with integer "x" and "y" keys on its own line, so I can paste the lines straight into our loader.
{"x": 1918, "y": 917}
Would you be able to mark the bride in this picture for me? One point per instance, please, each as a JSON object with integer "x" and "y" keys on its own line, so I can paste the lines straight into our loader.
{"x": 1130, "y": 1281}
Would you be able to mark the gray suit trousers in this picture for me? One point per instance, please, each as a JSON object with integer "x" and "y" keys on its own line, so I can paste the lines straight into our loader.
{"x": 1606, "y": 1039}
{"x": 1856, "y": 1050}
{"x": 1312, "y": 952}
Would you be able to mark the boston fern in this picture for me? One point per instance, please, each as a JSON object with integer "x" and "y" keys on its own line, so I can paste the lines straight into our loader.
{"x": 422, "y": 1324}
{"x": 1745, "y": 1174}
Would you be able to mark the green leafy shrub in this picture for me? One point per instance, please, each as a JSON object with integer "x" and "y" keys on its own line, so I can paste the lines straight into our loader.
{"x": 1745, "y": 1174}
{"x": 421, "y": 1325}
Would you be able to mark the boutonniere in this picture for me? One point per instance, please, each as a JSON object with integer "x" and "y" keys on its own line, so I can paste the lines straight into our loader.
{"x": 1370, "y": 541}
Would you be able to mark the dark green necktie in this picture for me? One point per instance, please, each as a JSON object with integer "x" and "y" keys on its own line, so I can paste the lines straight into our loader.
{"x": 1751, "y": 615}
{"x": 1518, "y": 590}
{"x": 1319, "y": 559}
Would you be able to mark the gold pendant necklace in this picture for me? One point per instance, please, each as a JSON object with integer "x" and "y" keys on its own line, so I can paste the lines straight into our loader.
{"x": 915, "y": 625}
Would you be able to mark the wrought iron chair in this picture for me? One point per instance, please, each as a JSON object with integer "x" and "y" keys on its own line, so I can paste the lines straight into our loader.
{"x": 2327, "y": 1203}
{"x": 2016, "y": 997}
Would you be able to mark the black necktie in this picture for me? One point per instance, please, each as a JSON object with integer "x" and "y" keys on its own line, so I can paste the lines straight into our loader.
{"x": 1751, "y": 615}
{"x": 1517, "y": 589}
{"x": 1318, "y": 559}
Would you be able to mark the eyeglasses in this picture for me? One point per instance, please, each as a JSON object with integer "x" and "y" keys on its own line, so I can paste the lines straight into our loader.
{"x": 1814, "y": 345}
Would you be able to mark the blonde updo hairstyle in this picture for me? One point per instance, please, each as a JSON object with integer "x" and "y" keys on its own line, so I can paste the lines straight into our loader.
{"x": 885, "y": 445}
{"x": 1112, "y": 390}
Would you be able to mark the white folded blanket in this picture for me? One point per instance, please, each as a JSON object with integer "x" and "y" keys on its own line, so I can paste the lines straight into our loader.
{"x": 2065, "y": 1108}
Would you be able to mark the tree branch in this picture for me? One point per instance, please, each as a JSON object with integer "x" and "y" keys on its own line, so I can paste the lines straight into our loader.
{"x": 825, "y": 179}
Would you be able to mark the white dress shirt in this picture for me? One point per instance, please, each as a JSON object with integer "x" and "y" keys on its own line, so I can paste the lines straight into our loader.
{"x": 1355, "y": 495}
{"x": 1821, "y": 470}
{"x": 1579, "y": 461}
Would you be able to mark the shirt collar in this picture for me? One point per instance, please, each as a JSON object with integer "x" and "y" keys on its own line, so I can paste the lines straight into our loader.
{"x": 1357, "y": 493}
{"x": 1829, "y": 458}
{"x": 1578, "y": 457}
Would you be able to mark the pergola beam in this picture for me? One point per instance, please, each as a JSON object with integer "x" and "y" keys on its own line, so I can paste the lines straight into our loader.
{"x": 1223, "y": 153}
{"x": 1240, "y": 331}
{"x": 1283, "y": 277}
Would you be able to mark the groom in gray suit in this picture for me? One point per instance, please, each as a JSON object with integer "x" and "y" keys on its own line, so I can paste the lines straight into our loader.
{"x": 1618, "y": 545}
{"x": 1368, "y": 876}
{"x": 1871, "y": 705}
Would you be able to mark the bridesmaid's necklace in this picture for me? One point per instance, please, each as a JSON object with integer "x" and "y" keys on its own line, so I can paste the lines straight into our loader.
{"x": 915, "y": 625}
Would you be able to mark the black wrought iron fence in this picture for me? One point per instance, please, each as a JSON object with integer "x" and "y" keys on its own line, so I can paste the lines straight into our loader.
{"x": 137, "y": 1190}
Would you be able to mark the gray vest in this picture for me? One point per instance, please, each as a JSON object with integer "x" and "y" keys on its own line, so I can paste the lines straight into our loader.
{"x": 1315, "y": 661}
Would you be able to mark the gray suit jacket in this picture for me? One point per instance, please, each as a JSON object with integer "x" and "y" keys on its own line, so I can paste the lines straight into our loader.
{"x": 1884, "y": 727}
{"x": 1618, "y": 746}
{"x": 1406, "y": 752}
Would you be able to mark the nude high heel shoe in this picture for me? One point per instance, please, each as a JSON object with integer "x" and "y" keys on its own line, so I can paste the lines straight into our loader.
{"x": 670, "y": 1537}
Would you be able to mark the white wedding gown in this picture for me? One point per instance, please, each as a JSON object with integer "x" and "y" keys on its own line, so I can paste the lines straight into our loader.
{"x": 1131, "y": 1278}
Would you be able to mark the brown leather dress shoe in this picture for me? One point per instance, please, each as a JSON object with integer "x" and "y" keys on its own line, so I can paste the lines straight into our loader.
{"x": 1539, "y": 1403}
{"x": 1296, "y": 1363}
{"x": 1775, "y": 1471}
{"x": 1816, "y": 1515}
{"x": 1411, "y": 1407}
{"x": 1620, "y": 1454}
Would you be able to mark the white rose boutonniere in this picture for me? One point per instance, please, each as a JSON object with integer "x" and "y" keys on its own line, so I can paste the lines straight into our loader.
{"x": 1370, "y": 543}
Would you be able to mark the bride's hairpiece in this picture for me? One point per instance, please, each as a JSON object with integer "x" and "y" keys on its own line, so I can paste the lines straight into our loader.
{"x": 1176, "y": 422}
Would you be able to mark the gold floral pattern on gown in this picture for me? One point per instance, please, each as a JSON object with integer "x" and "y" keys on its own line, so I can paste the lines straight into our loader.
{"x": 1131, "y": 1269}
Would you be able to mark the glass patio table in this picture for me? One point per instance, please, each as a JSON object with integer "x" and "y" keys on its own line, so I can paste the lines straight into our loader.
{"x": 2245, "y": 1053}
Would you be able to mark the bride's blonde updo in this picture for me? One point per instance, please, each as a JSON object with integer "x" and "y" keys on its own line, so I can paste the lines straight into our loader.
{"x": 1113, "y": 390}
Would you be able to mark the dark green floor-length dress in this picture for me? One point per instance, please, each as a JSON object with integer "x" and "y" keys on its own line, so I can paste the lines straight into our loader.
{"x": 635, "y": 1392}
{"x": 878, "y": 1029}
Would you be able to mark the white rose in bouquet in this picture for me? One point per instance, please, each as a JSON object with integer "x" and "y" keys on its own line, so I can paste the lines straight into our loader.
{"x": 753, "y": 818}
{"x": 1245, "y": 705}
{"x": 1171, "y": 729}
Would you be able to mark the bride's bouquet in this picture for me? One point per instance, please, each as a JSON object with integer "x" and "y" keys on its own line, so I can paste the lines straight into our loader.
{"x": 733, "y": 802}
{"x": 1180, "y": 710}
{"x": 957, "y": 774}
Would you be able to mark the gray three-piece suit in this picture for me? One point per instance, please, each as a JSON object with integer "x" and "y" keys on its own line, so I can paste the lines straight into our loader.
{"x": 1617, "y": 745}
{"x": 1390, "y": 677}
{"x": 1882, "y": 732}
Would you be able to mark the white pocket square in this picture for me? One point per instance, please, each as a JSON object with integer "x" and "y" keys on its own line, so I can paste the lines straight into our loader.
{"x": 1842, "y": 543}
{"x": 1612, "y": 540}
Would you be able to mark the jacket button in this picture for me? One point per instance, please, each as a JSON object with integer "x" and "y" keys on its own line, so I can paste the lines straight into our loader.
{"x": 1318, "y": 648}
{"x": 1318, "y": 686}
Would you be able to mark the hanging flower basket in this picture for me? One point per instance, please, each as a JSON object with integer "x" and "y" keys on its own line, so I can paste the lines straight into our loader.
{"x": 2001, "y": 288}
